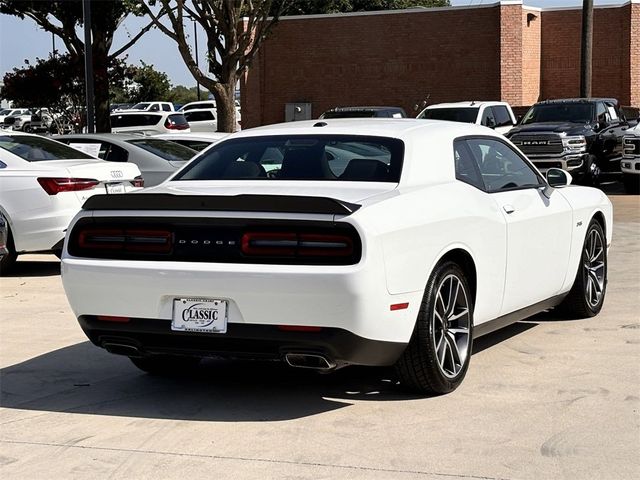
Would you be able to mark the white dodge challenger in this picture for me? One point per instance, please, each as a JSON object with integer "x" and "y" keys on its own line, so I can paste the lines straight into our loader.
{"x": 337, "y": 242}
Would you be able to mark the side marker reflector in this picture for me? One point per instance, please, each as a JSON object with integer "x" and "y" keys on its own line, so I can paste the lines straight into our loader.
{"x": 399, "y": 306}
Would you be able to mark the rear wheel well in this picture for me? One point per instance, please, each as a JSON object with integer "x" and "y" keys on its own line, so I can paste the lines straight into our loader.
{"x": 599, "y": 217}
{"x": 468, "y": 266}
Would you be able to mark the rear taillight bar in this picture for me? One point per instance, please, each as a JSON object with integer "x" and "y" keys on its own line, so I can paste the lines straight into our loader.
{"x": 53, "y": 186}
{"x": 126, "y": 240}
{"x": 288, "y": 244}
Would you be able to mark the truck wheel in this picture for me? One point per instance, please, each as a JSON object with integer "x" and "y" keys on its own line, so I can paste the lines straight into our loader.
{"x": 631, "y": 183}
{"x": 26, "y": 128}
{"x": 590, "y": 286}
{"x": 437, "y": 357}
{"x": 592, "y": 173}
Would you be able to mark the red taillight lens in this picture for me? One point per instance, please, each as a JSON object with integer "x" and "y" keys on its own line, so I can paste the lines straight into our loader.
{"x": 175, "y": 126}
{"x": 54, "y": 186}
{"x": 111, "y": 318}
{"x": 127, "y": 240}
{"x": 138, "y": 181}
{"x": 287, "y": 244}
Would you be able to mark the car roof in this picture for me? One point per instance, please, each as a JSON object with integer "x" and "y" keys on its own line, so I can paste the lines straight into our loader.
{"x": 363, "y": 108}
{"x": 465, "y": 104}
{"x": 214, "y": 136}
{"x": 144, "y": 112}
{"x": 380, "y": 127}
{"x": 580, "y": 100}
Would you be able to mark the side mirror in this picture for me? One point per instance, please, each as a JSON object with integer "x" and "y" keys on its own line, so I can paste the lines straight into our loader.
{"x": 558, "y": 178}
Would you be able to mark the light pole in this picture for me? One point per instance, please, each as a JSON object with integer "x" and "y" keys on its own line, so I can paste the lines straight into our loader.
{"x": 88, "y": 63}
{"x": 195, "y": 37}
{"x": 586, "y": 48}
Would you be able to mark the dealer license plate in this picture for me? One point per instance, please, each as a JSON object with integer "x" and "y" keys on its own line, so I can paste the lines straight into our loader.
{"x": 115, "y": 187}
{"x": 199, "y": 315}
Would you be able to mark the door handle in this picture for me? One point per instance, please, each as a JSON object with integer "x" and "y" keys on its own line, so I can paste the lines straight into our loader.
{"x": 509, "y": 209}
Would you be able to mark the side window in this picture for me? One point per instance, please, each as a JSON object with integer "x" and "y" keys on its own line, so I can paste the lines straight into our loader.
{"x": 501, "y": 115}
{"x": 488, "y": 120}
{"x": 114, "y": 153}
{"x": 166, "y": 107}
{"x": 611, "y": 110}
{"x": 154, "y": 108}
{"x": 500, "y": 166}
{"x": 601, "y": 112}
{"x": 466, "y": 168}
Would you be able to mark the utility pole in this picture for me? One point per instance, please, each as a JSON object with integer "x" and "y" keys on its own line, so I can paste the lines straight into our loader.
{"x": 88, "y": 64}
{"x": 195, "y": 35}
{"x": 586, "y": 48}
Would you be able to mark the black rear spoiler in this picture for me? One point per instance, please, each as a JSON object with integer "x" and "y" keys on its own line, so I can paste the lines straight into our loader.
{"x": 243, "y": 203}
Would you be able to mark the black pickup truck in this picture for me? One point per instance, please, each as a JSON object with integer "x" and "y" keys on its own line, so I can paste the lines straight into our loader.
{"x": 580, "y": 135}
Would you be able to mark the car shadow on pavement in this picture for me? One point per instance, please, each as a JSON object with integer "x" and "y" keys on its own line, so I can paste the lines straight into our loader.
{"x": 84, "y": 379}
{"x": 39, "y": 268}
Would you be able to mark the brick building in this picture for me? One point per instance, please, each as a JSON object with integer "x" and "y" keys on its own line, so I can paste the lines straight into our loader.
{"x": 505, "y": 50}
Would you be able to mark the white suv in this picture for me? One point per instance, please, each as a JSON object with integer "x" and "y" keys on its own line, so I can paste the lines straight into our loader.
{"x": 154, "y": 107}
{"x": 495, "y": 115}
{"x": 148, "y": 123}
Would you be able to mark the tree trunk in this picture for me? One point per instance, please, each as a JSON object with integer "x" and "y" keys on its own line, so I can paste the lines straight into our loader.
{"x": 225, "y": 95}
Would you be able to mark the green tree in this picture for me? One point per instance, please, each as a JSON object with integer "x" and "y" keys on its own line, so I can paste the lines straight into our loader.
{"x": 234, "y": 32}
{"x": 64, "y": 17}
{"x": 314, "y": 7}
{"x": 148, "y": 84}
{"x": 180, "y": 95}
{"x": 56, "y": 82}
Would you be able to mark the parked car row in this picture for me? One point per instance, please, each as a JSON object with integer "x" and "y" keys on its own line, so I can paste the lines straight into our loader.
{"x": 583, "y": 136}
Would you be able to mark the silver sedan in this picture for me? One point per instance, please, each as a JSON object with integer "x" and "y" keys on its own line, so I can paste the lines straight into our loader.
{"x": 156, "y": 158}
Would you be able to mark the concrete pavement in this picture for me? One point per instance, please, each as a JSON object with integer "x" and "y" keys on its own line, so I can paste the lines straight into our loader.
{"x": 545, "y": 398}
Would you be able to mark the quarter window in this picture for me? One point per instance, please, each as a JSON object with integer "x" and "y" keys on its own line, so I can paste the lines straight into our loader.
{"x": 500, "y": 166}
{"x": 466, "y": 168}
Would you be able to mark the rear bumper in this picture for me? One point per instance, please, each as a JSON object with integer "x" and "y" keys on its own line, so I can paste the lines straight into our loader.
{"x": 149, "y": 336}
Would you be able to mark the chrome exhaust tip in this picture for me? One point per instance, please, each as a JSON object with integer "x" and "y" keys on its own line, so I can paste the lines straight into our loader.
{"x": 309, "y": 360}
{"x": 122, "y": 349}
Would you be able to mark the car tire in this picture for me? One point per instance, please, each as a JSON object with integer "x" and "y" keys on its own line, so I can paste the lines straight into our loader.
{"x": 165, "y": 365}
{"x": 592, "y": 172}
{"x": 586, "y": 297}
{"x": 437, "y": 356}
{"x": 631, "y": 183}
{"x": 26, "y": 128}
{"x": 8, "y": 261}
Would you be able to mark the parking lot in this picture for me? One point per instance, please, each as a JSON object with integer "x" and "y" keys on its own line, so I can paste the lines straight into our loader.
{"x": 545, "y": 398}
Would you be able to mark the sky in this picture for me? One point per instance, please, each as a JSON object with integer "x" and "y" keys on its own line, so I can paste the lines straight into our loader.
{"x": 23, "y": 39}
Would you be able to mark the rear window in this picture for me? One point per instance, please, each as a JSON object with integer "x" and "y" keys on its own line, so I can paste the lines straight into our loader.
{"x": 197, "y": 145}
{"x": 132, "y": 120}
{"x": 199, "y": 116}
{"x": 464, "y": 115}
{"x": 313, "y": 157}
{"x": 38, "y": 149}
{"x": 170, "y": 151}
{"x": 177, "y": 119}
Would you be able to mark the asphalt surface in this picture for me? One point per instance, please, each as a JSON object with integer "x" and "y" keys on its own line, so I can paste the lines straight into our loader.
{"x": 545, "y": 398}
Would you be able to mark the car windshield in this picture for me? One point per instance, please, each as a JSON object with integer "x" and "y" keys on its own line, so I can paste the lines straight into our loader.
{"x": 312, "y": 157}
{"x": 38, "y": 149}
{"x": 464, "y": 115}
{"x": 141, "y": 106}
{"x": 170, "y": 151}
{"x": 559, "y": 112}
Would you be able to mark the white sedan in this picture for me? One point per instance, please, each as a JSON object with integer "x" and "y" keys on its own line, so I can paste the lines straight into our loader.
{"x": 438, "y": 233}
{"x": 43, "y": 184}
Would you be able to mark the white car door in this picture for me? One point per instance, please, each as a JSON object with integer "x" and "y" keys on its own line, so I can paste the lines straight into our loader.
{"x": 538, "y": 227}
